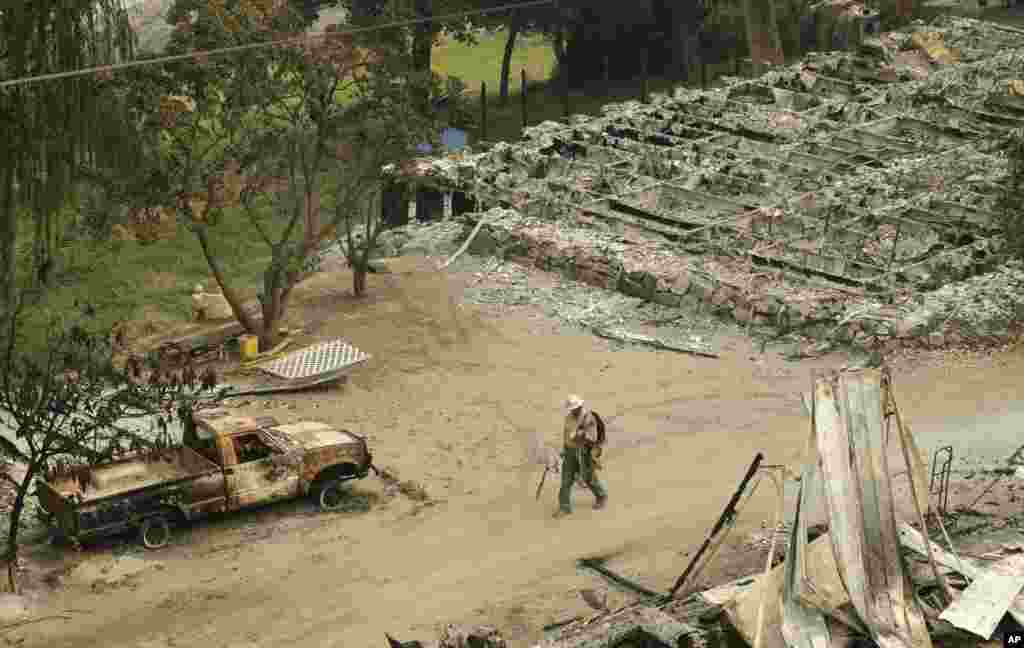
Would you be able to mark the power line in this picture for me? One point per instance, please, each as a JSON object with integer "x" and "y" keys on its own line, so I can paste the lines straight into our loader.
{"x": 253, "y": 46}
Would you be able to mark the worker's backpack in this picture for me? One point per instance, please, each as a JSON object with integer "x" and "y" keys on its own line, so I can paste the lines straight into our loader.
{"x": 600, "y": 428}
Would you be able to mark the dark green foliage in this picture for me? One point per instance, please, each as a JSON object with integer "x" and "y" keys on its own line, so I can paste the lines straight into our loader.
{"x": 1011, "y": 203}
{"x": 61, "y": 124}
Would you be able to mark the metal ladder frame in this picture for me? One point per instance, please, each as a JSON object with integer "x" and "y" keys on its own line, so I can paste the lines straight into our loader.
{"x": 942, "y": 472}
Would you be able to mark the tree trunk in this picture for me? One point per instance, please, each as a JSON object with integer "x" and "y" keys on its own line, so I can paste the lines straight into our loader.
{"x": 776, "y": 37}
{"x": 762, "y": 35}
{"x": 559, "y": 47}
{"x": 272, "y": 306}
{"x": 558, "y": 44}
{"x": 677, "y": 55}
{"x": 270, "y": 333}
{"x": 750, "y": 19}
{"x": 43, "y": 249}
{"x": 423, "y": 45}
{"x": 8, "y": 243}
{"x": 506, "y": 61}
{"x": 359, "y": 279}
{"x": 230, "y": 295}
{"x": 12, "y": 531}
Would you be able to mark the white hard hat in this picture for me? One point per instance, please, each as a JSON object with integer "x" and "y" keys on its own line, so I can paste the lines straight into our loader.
{"x": 573, "y": 402}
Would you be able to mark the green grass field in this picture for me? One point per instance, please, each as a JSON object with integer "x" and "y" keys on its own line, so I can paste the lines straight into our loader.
{"x": 482, "y": 63}
{"x": 152, "y": 281}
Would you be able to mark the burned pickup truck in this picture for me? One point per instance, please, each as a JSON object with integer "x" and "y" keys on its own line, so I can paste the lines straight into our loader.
{"x": 225, "y": 463}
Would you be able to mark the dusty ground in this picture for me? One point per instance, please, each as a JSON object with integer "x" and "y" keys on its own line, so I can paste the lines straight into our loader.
{"x": 460, "y": 399}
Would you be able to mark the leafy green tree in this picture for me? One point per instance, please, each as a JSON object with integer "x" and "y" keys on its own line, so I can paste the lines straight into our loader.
{"x": 279, "y": 136}
{"x": 51, "y": 127}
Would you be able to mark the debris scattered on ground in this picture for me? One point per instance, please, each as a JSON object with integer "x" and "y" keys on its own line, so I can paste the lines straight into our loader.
{"x": 434, "y": 239}
{"x": 504, "y": 283}
{"x": 626, "y": 337}
{"x": 456, "y": 636}
{"x": 408, "y": 487}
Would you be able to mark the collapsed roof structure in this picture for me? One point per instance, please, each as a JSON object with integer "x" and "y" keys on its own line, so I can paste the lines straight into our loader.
{"x": 835, "y": 195}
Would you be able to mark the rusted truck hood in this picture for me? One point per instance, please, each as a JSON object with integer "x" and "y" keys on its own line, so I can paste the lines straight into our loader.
{"x": 314, "y": 436}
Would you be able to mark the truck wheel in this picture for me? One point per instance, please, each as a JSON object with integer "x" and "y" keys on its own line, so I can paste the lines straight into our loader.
{"x": 331, "y": 496}
{"x": 155, "y": 532}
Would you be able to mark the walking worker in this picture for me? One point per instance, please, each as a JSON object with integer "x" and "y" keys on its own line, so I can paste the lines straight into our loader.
{"x": 583, "y": 437}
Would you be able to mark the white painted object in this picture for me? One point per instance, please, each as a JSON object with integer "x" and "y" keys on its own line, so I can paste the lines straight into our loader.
{"x": 447, "y": 205}
{"x": 982, "y": 605}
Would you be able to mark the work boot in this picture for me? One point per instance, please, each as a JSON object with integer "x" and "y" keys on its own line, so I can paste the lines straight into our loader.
{"x": 561, "y": 513}
{"x": 601, "y": 502}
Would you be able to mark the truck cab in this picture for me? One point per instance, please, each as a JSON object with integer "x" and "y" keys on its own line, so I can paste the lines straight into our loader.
{"x": 265, "y": 461}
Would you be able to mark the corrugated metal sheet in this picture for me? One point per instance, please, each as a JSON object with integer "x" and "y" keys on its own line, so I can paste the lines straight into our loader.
{"x": 969, "y": 567}
{"x": 852, "y": 441}
{"x": 802, "y": 627}
{"x": 985, "y": 602}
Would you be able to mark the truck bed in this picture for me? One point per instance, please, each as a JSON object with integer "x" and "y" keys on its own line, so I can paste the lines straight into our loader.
{"x": 133, "y": 473}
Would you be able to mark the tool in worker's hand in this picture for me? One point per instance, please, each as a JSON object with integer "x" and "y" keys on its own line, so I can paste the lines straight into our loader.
{"x": 551, "y": 465}
{"x": 543, "y": 477}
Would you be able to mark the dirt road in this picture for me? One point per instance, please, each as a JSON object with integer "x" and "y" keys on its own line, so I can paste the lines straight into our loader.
{"x": 460, "y": 401}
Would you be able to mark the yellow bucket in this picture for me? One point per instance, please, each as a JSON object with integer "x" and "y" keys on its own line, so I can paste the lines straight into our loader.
{"x": 248, "y": 347}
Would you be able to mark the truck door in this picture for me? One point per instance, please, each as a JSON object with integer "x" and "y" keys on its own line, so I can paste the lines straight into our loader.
{"x": 259, "y": 476}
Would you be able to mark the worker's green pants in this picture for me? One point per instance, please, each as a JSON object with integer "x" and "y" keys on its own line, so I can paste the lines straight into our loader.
{"x": 578, "y": 462}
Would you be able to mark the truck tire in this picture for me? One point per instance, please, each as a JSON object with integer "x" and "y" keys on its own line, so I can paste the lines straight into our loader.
{"x": 155, "y": 531}
{"x": 330, "y": 496}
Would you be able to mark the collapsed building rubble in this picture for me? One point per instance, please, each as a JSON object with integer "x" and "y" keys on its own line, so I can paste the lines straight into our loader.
{"x": 871, "y": 575}
{"x": 828, "y": 198}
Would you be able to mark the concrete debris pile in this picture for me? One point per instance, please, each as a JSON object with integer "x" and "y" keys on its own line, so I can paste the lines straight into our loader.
{"x": 980, "y": 307}
{"x": 581, "y": 306}
{"x": 432, "y": 239}
{"x": 869, "y": 577}
{"x": 791, "y": 200}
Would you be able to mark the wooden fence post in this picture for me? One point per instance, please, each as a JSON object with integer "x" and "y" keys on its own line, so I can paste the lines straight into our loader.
{"x": 483, "y": 111}
{"x": 522, "y": 93}
{"x": 565, "y": 96}
{"x": 643, "y": 77}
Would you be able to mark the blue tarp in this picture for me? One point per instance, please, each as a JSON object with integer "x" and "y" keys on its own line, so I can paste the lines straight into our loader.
{"x": 452, "y": 139}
